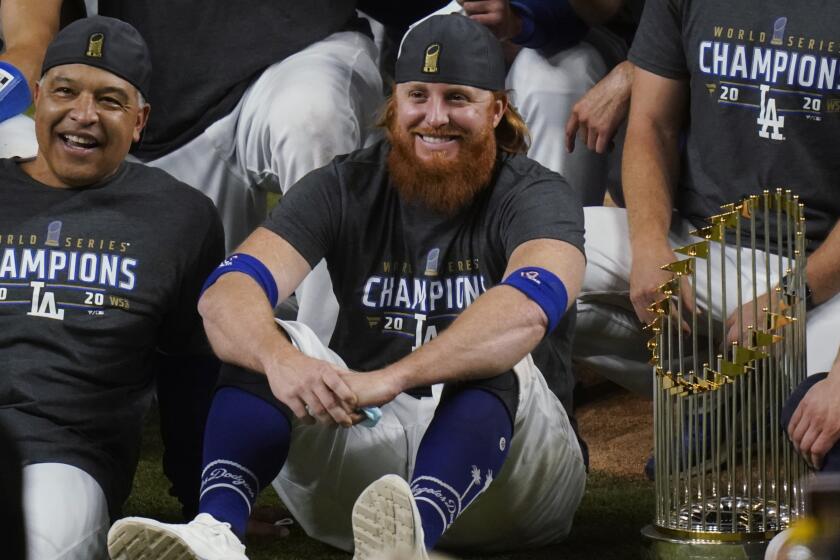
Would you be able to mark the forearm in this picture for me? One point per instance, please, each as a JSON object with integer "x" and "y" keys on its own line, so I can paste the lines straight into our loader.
{"x": 28, "y": 28}
{"x": 488, "y": 338}
{"x": 649, "y": 169}
{"x": 823, "y": 268}
{"x": 500, "y": 328}
{"x": 240, "y": 324}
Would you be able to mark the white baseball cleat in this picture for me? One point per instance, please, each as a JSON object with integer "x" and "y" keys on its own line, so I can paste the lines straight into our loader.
{"x": 203, "y": 538}
{"x": 386, "y": 523}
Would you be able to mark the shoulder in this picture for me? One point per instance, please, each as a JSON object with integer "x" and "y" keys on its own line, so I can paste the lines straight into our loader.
{"x": 161, "y": 188}
{"x": 365, "y": 160}
{"x": 355, "y": 171}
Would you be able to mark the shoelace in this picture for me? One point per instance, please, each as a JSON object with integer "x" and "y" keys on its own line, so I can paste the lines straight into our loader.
{"x": 217, "y": 529}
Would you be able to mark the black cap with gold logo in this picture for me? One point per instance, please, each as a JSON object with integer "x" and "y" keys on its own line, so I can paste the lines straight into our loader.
{"x": 451, "y": 49}
{"x": 106, "y": 43}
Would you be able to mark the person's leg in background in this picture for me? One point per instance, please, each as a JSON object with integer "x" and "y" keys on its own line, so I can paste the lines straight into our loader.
{"x": 303, "y": 111}
{"x": 544, "y": 91}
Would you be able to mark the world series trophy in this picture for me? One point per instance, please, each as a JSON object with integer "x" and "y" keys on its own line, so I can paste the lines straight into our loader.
{"x": 727, "y": 477}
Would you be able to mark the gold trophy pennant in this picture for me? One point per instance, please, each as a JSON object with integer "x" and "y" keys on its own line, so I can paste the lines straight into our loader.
{"x": 714, "y": 232}
{"x": 741, "y": 355}
{"x": 727, "y": 219}
{"x": 670, "y": 287}
{"x": 654, "y": 326}
{"x": 661, "y": 307}
{"x": 699, "y": 250}
{"x": 719, "y": 379}
{"x": 732, "y": 370}
{"x": 681, "y": 267}
{"x": 777, "y": 321}
{"x": 764, "y": 338}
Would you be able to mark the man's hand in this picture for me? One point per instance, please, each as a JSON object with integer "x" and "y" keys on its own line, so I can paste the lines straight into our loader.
{"x": 749, "y": 318}
{"x": 646, "y": 276}
{"x": 374, "y": 388}
{"x": 814, "y": 427}
{"x": 599, "y": 113}
{"x": 313, "y": 389}
{"x": 496, "y": 15}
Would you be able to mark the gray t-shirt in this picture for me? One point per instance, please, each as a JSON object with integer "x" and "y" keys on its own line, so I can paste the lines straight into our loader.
{"x": 401, "y": 272}
{"x": 764, "y": 86}
{"x": 92, "y": 281}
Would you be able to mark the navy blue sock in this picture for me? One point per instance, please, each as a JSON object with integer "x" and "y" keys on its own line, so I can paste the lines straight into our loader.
{"x": 245, "y": 445}
{"x": 462, "y": 451}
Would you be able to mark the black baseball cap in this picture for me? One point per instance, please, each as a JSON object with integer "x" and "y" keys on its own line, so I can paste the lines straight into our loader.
{"x": 106, "y": 43}
{"x": 452, "y": 49}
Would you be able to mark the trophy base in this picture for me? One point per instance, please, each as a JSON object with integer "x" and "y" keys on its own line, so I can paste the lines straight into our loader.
{"x": 661, "y": 546}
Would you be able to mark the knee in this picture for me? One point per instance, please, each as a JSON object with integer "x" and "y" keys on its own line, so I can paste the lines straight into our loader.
{"x": 312, "y": 121}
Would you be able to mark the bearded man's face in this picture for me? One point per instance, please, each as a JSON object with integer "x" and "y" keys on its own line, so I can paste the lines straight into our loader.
{"x": 443, "y": 144}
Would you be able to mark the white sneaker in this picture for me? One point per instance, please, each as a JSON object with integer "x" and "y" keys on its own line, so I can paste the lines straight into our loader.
{"x": 203, "y": 538}
{"x": 386, "y": 523}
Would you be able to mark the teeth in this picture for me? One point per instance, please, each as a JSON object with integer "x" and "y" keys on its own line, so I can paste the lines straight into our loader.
{"x": 78, "y": 140}
{"x": 436, "y": 139}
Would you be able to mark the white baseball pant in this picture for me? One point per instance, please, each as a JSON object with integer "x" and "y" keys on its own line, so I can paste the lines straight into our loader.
{"x": 530, "y": 503}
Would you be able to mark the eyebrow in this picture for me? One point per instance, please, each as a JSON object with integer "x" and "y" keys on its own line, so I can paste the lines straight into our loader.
{"x": 113, "y": 90}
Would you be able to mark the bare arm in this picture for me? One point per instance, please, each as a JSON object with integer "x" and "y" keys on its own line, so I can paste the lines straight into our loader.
{"x": 650, "y": 172}
{"x": 28, "y": 28}
{"x": 240, "y": 325}
{"x": 488, "y": 338}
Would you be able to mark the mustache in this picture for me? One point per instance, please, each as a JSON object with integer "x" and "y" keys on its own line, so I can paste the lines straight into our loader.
{"x": 445, "y": 130}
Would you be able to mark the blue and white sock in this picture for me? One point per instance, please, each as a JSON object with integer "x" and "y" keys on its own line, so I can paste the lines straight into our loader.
{"x": 462, "y": 451}
{"x": 245, "y": 445}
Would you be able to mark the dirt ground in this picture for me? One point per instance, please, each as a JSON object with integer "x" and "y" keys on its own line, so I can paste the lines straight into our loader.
{"x": 617, "y": 425}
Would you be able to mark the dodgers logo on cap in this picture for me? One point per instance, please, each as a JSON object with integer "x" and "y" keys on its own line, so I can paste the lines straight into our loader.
{"x": 95, "y": 43}
{"x": 430, "y": 66}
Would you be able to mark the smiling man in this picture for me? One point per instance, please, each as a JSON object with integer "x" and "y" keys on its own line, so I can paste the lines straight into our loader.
{"x": 101, "y": 262}
{"x": 452, "y": 256}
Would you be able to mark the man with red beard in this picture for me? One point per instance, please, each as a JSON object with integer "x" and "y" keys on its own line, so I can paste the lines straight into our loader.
{"x": 452, "y": 256}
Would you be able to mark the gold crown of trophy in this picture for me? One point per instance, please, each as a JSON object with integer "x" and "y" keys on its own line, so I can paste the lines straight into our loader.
{"x": 727, "y": 477}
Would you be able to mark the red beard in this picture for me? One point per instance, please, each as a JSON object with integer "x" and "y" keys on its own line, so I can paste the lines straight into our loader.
{"x": 444, "y": 185}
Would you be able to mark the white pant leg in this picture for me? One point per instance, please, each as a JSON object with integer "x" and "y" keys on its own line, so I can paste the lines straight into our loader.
{"x": 66, "y": 513}
{"x": 17, "y": 137}
{"x": 327, "y": 468}
{"x": 533, "y": 499}
{"x": 544, "y": 92}
{"x": 823, "y": 335}
{"x": 514, "y": 512}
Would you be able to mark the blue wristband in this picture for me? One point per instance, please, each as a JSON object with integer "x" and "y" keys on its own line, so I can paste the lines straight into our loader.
{"x": 246, "y": 264}
{"x": 543, "y": 288}
{"x": 14, "y": 91}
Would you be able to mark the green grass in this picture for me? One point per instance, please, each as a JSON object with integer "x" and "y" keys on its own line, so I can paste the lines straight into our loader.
{"x": 606, "y": 526}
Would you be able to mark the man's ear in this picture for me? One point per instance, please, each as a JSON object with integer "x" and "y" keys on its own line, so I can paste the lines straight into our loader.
{"x": 500, "y": 105}
{"x": 36, "y": 93}
{"x": 142, "y": 119}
